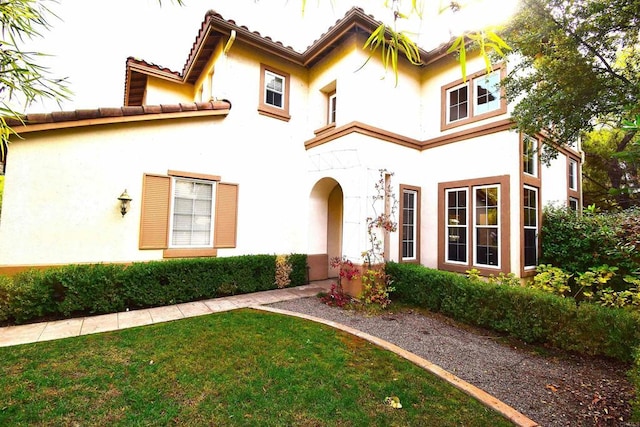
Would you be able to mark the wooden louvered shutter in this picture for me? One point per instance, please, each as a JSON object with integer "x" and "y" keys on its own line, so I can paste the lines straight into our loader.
{"x": 226, "y": 221}
{"x": 154, "y": 220}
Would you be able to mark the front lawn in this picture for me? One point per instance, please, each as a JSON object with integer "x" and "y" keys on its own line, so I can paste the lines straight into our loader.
{"x": 243, "y": 367}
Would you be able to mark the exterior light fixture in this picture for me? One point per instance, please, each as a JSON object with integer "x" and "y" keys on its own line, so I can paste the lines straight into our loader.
{"x": 124, "y": 202}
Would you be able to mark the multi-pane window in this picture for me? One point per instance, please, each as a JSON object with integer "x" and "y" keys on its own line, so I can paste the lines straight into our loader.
{"x": 458, "y": 103}
{"x": 486, "y": 225}
{"x": 332, "y": 108}
{"x": 487, "y": 93}
{"x": 192, "y": 216}
{"x": 573, "y": 174}
{"x": 529, "y": 155}
{"x": 456, "y": 227}
{"x": 476, "y": 98}
{"x": 530, "y": 222}
{"x": 409, "y": 224}
{"x": 574, "y": 204}
{"x": 274, "y": 89}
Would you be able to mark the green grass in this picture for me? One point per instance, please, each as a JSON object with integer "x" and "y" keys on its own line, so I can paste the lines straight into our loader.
{"x": 236, "y": 368}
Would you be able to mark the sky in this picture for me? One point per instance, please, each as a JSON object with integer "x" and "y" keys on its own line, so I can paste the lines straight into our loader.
{"x": 90, "y": 40}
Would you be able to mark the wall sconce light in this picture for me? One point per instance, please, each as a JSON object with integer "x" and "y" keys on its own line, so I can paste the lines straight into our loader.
{"x": 124, "y": 202}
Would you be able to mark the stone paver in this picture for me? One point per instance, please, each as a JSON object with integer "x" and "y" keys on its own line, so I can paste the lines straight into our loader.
{"x": 101, "y": 323}
{"x": 165, "y": 314}
{"x": 130, "y": 319}
{"x": 22, "y": 334}
{"x": 61, "y": 329}
{"x": 197, "y": 308}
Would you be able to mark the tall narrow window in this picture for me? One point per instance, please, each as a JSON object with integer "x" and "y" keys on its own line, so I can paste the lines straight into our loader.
{"x": 487, "y": 227}
{"x": 456, "y": 227}
{"x": 573, "y": 174}
{"x": 274, "y": 89}
{"x": 530, "y": 222}
{"x": 192, "y": 220}
{"x": 409, "y": 224}
{"x": 529, "y": 155}
{"x": 458, "y": 103}
{"x": 331, "y": 115}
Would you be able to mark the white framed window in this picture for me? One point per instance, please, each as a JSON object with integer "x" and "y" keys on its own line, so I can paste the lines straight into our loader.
{"x": 573, "y": 175}
{"x": 192, "y": 213}
{"x": 457, "y": 103}
{"x": 486, "y": 90}
{"x": 486, "y": 225}
{"x": 331, "y": 113}
{"x": 574, "y": 204}
{"x": 530, "y": 224}
{"x": 274, "y": 89}
{"x": 529, "y": 155}
{"x": 456, "y": 225}
{"x": 409, "y": 212}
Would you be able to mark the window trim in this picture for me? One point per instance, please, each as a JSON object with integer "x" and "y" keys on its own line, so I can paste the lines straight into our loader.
{"x": 535, "y": 157}
{"x": 268, "y": 109}
{"x": 505, "y": 220}
{"x": 156, "y": 211}
{"x": 172, "y": 208}
{"x": 416, "y": 235}
{"x": 524, "y": 227}
{"x": 476, "y": 226}
{"x": 472, "y": 117}
{"x": 572, "y": 174}
{"x": 447, "y": 225}
{"x": 332, "y": 108}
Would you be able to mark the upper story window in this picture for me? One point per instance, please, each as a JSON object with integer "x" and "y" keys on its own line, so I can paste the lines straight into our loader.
{"x": 573, "y": 175}
{"x": 274, "y": 93}
{"x": 530, "y": 155}
{"x": 274, "y": 89}
{"x": 331, "y": 113}
{"x": 476, "y": 98}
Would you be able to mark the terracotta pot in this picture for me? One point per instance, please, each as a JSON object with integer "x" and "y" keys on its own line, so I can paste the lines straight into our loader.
{"x": 353, "y": 287}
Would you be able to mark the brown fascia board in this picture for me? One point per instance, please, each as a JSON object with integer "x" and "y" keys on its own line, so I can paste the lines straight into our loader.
{"x": 127, "y": 114}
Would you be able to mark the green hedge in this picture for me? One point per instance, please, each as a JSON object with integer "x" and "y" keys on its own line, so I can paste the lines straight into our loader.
{"x": 530, "y": 315}
{"x": 106, "y": 288}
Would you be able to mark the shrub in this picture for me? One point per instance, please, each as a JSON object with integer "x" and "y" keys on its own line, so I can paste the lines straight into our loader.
{"x": 576, "y": 243}
{"x": 105, "y": 288}
{"x": 28, "y": 297}
{"x": 634, "y": 378}
{"x": 525, "y": 313}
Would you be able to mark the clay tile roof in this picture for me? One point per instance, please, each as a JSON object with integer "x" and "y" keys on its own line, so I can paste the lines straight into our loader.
{"x": 111, "y": 115}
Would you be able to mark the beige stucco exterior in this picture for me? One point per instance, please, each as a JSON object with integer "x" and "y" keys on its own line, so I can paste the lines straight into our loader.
{"x": 304, "y": 185}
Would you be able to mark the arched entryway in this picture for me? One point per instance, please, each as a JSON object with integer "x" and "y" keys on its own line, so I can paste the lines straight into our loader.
{"x": 326, "y": 203}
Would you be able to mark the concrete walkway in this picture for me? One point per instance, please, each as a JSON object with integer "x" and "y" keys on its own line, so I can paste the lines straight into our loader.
{"x": 45, "y": 331}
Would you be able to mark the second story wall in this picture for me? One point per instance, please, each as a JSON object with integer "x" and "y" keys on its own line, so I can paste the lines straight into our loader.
{"x": 160, "y": 91}
{"x": 364, "y": 91}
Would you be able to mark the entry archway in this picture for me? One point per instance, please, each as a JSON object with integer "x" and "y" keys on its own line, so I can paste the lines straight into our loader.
{"x": 326, "y": 206}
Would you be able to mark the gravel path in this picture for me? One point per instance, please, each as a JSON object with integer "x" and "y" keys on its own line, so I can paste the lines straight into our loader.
{"x": 553, "y": 389}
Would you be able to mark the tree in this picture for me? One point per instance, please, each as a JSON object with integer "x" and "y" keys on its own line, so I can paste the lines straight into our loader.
{"x": 578, "y": 69}
{"x": 602, "y": 166}
{"x": 20, "y": 75}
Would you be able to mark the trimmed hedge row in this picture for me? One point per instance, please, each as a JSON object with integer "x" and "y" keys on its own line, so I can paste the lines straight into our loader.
{"x": 106, "y": 288}
{"x": 530, "y": 315}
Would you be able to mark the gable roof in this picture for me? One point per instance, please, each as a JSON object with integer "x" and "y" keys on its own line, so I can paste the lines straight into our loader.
{"x": 214, "y": 29}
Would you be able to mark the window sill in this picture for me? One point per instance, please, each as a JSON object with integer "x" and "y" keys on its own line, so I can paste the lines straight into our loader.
{"x": 502, "y": 110}
{"x": 273, "y": 112}
{"x": 324, "y": 129}
{"x": 189, "y": 252}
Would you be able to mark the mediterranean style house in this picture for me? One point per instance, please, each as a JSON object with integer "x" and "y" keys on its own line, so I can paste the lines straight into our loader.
{"x": 255, "y": 147}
